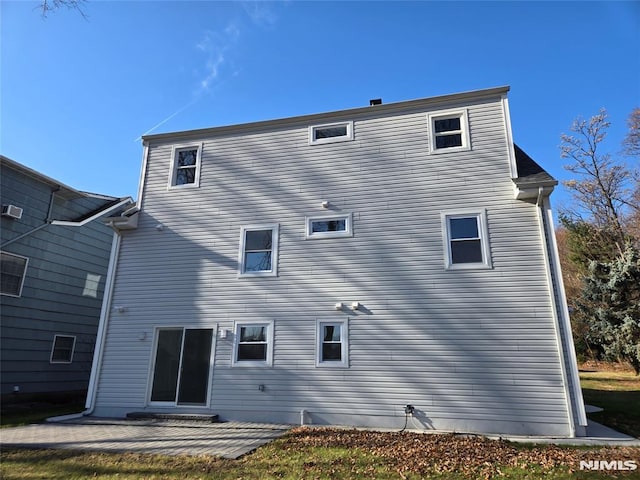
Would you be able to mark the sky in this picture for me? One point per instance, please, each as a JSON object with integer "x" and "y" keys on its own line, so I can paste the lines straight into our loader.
{"x": 78, "y": 91}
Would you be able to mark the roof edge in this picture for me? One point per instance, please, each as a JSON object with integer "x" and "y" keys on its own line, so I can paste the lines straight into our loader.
{"x": 488, "y": 92}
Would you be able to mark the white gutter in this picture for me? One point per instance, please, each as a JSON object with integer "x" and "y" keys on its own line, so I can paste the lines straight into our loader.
{"x": 565, "y": 319}
{"x": 101, "y": 213}
{"x": 102, "y": 325}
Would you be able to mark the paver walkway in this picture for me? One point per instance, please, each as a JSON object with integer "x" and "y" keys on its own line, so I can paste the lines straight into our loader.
{"x": 228, "y": 440}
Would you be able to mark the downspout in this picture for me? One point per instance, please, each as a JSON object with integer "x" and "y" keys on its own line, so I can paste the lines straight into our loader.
{"x": 554, "y": 309}
{"x": 566, "y": 323}
{"x": 102, "y": 325}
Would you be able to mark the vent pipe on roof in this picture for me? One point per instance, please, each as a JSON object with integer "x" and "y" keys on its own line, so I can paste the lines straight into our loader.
{"x": 375, "y": 101}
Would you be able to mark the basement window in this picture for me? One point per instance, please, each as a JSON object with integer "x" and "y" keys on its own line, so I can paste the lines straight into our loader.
{"x": 331, "y": 133}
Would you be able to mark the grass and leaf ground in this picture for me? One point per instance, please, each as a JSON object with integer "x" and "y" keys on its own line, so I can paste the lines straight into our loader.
{"x": 306, "y": 453}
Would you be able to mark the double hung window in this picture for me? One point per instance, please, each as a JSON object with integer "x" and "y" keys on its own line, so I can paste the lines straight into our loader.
{"x": 258, "y": 250}
{"x": 12, "y": 272}
{"x": 466, "y": 240}
{"x": 332, "y": 344}
{"x": 253, "y": 345}
{"x": 185, "y": 166}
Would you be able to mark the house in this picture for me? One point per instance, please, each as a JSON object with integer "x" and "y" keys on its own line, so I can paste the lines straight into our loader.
{"x": 54, "y": 256}
{"x": 369, "y": 267}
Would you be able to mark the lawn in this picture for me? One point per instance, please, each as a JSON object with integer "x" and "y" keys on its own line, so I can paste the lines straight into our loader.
{"x": 349, "y": 454}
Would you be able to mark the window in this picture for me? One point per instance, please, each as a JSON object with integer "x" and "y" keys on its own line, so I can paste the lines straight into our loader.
{"x": 332, "y": 344}
{"x": 62, "y": 350}
{"x": 329, "y": 226}
{"x": 185, "y": 166}
{"x": 331, "y": 133}
{"x": 91, "y": 284}
{"x": 258, "y": 250}
{"x": 253, "y": 344}
{"x": 12, "y": 273}
{"x": 466, "y": 240}
{"x": 449, "y": 131}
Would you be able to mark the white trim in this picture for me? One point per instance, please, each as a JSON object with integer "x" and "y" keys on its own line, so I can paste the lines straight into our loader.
{"x": 464, "y": 129}
{"x": 101, "y": 213}
{"x": 152, "y": 363}
{"x": 553, "y": 261}
{"x": 98, "y": 353}
{"x": 342, "y": 138}
{"x": 24, "y": 274}
{"x": 344, "y": 343}
{"x": 269, "y": 335}
{"x": 53, "y": 348}
{"x": 143, "y": 173}
{"x": 175, "y": 149}
{"x": 275, "y": 235}
{"x": 513, "y": 168}
{"x": 347, "y": 232}
{"x": 483, "y": 231}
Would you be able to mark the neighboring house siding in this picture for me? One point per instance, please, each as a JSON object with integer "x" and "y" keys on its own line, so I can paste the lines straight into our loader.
{"x": 472, "y": 350}
{"x": 56, "y": 296}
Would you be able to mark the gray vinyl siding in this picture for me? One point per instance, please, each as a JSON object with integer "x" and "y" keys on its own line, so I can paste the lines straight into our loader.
{"x": 52, "y": 300}
{"x": 472, "y": 350}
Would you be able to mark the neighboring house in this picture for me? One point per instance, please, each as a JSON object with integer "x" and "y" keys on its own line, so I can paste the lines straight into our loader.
{"x": 341, "y": 268}
{"x": 54, "y": 257}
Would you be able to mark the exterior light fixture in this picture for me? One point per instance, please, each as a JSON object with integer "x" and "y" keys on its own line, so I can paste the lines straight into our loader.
{"x": 355, "y": 305}
{"x": 338, "y": 306}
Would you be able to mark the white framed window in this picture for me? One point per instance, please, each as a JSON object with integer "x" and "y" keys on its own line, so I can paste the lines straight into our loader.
{"x": 62, "y": 349}
{"x": 329, "y": 226}
{"x": 331, "y": 133}
{"x": 258, "y": 254}
{"x": 449, "y": 131}
{"x": 253, "y": 344}
{"x": 185, "y": 166}
{"x": 466, "y": 239}
{"x": 13, "y": 269}
{"x": 332, "y": 343}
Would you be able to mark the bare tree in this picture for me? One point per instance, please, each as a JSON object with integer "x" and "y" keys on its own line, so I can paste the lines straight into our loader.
{"x": 49, "y": 6}
{"x": 603, "y": 189}
{"x": 631, "y": 142}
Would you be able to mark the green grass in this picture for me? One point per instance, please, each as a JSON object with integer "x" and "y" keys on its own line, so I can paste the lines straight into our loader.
{"x": 618, "y": 393}
{"x": 36, "y": 414}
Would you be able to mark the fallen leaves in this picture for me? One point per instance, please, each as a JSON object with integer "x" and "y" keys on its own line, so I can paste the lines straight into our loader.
{"x": 469, "y": 455}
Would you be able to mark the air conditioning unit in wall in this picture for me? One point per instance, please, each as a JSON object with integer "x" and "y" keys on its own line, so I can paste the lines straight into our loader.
{"x": 11, "y": 211}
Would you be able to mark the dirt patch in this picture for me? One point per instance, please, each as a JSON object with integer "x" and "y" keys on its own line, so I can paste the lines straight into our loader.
{"x": 598, "y": 366}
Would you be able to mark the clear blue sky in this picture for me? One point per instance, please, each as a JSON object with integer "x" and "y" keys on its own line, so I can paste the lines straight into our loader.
{"x": 76, "y": 94}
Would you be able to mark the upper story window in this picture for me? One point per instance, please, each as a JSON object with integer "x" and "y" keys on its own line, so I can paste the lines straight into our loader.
{"x": 258, "y": 250}
{"x": 329, "y": 226}
{"x": 185, "y": 166}
{"x": 466, "y": 240}
{"x": 332, "y": 349}
{"x": 62, "y": 349}
{"x": 12, "y": 272}
{"x": 253, "y": 344}
{"x": 449, "y": 131}
{"x": 330, "y": 133}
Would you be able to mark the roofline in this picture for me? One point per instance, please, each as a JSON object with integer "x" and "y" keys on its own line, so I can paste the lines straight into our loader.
{"x": 316, "y": 117}
{"x": 51, "y": 181}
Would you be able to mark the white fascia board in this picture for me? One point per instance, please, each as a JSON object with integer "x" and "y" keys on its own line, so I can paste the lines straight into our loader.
{"x": 101, "y": 213}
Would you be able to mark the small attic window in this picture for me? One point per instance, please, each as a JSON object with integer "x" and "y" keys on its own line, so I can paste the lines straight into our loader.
{"x": 449, "y": 131}
{"x": 331, "y": 133}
